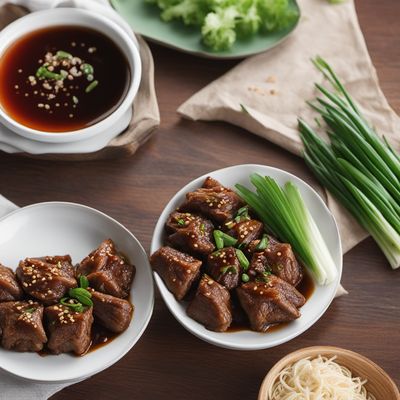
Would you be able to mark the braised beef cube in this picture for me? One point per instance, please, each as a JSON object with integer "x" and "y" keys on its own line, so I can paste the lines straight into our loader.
{"x": 280, "y": 260}
{"x": 107, "y": 270}
{"x": 21, "y": 327}
{"x": 113, "y": 313}
{"x": 178, "y": 270}
{"x": 217, "y": 203}
{"x": 192, "y": 234}
{"x": 69, "y": 330}
{"x": 223, "y": 265}
{"x": 271, "y": 302}
{"x": 9, "y": 287}
{"x": 252, "y": 247}
{"x": 246, "y": 231}
{"x": 47, "y": 279}
{"x": 210, "y": 183}
{"x": 211, "y": 305}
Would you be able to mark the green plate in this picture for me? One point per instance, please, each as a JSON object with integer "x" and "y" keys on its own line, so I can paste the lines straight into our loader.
{"x": 145, "y": 20}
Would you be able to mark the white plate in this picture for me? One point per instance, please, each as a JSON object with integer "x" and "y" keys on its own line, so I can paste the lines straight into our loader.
{"x": 67, "y": 228}
{"x": 316, "y": 304}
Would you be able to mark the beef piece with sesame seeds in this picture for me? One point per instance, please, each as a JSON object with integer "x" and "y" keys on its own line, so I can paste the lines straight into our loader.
{"x": 69, "y": 331}
{"x": 211, "y": 305}
{"x": 279, "y": 259}
{"x": 210, "y": 183}
{"x": 10, "y": 289}
{"x": 269, "y": 302}
{"x": 111, "y": 312}
{"x": 224, "y": 266}
{"x": 246, "y": 231}
{"x": 218, "y": 203}
{"x": 190, "y": 233}
{"x": 107, "y": 270}
{"x": 21, "y": 327}
{"x": 48, "y": 278}
{"x": 178, "y": 270}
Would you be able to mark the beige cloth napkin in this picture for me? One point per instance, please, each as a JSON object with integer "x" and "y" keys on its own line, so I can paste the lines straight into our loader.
{"x": 146, "y": 116}
{"x": 273, "y": 87}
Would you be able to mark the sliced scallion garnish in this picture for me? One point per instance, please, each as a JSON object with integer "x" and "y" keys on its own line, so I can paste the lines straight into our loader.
{"x": 63, "y": 55}
{"x": 91, "y": 86}
{"x": 263, "y": 244}
{"x": 218, "y": 239}
{"x": 244, "y": 262}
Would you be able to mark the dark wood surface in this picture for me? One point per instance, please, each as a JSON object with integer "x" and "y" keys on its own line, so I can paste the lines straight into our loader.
{"x": 168, "y": 362}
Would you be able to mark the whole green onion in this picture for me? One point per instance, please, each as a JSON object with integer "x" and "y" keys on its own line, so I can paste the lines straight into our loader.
{"x": 284, "y": 214}
{"x": 359, "y": 168}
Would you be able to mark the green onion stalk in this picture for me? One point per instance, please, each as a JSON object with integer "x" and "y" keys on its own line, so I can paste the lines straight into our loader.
{"x": 285, "y": 215}
{"x": 358, "y": 167}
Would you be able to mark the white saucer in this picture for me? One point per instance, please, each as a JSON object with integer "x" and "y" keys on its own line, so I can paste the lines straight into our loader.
{"x": 12, "y": 143}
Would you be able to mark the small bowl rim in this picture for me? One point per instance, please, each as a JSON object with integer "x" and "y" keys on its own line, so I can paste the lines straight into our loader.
{"x": 135, "y": 67}
{"x": 132, "y": 340}
{"x": 323, "y": 350}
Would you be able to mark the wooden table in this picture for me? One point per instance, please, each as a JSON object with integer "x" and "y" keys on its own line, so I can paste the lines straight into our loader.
{"x": 168, "y": 362}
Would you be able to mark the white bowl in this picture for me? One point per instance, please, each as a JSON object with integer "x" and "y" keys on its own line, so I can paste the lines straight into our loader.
{"x": 89, "y": 19}
{"x": 315, "y": 306}
{"x": 67, "y": 228}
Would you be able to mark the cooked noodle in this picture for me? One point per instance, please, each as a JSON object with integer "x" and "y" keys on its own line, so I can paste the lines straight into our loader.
{"x": 319, "y": 378}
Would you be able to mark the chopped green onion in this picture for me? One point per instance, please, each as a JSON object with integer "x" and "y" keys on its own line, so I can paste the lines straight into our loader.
{"x": 227, "y": 268}
{"x": 245, "y": 278}
{"x": 44, "y": 73}
{"x": 83, "y": 282}
{"x": 230, "y": 224}
{"x": 91, "y": 86}
{"x": 79, "y": 291}
{"x": 228, "y": 239}
{"x": 82, "y": 295}
{"x": 87, "y": 69}
{"x": 78, "y": 307}
{"x": 30, "y": 310}
{"x": 202, "y": 228}
{"x": 84, "y": 300}
{"x": 181, "y": 222}
{"x": 244, "y": 262}
{"x": 218, "y": 239}
{"x": 242, "y": 214}
{"x": 284, "y": 213}
{"x": 225, "y": 239}
{"x": 63, "y": 55}
{"x": 75, "y": 100}
{"x": 263, "y": 244}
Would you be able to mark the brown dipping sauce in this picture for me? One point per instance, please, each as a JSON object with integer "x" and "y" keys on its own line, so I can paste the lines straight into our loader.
{"x": 74, "y": 98}
{"x": 306, "y": 287}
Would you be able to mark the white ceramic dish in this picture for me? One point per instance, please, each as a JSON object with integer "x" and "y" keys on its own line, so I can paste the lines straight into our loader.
{"x": 316, "y": 304}
{"x": 75, "y": 17}
{"x": 12, "y": 143}
{"x": 67, "y": 228}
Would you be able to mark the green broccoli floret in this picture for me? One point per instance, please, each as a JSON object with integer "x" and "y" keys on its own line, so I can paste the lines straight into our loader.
{"x": 219, "y": 28}
{"x": 223, "y": 20}
{"x": 275, "y": 14}
{"x": 192, "y": 12}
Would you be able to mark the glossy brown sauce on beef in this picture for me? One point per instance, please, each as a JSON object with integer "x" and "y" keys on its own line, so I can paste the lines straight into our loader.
{"x": 306, "y": 287}
{"x": 100, "y": 337}
{"x": 33, "y": 100}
